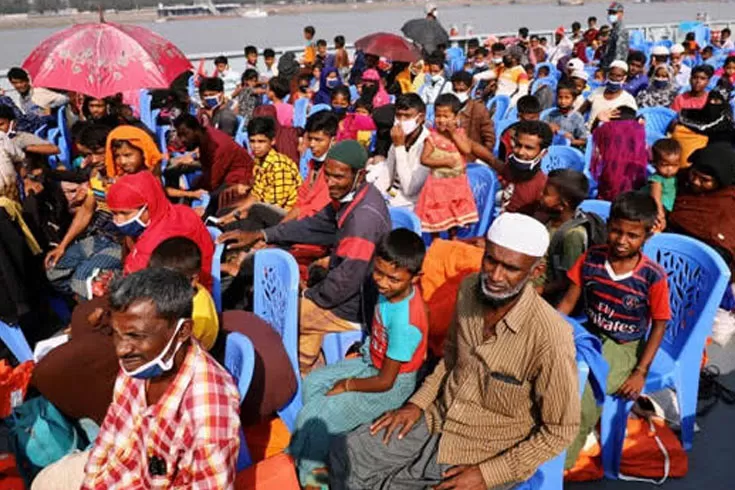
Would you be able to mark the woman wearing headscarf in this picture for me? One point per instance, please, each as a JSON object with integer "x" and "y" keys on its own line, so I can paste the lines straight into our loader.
{"x": 620, "y": 156}
{"x": 328, "y": 81}
{"x": 704, "y": 205}
{"x": 142, "y": 212}
{"x": 287, "y": 138}
{"x": 129, "y": 150}
{"x": 372, "y": 88}
{"x": 697, "y": 128}
{"x": 661, "y": 89}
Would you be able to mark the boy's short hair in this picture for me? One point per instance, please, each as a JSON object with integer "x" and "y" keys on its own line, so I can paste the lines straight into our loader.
{"x": 665, "y": 146}
{"x": 543, "y": 70}
{"x": 180, "y": 254}
{"x": 576, "y": 26}
{"x": 523, "y": 32}
{"x": 529, "y": 104}
{"x": 708, "y": 49}
{"x": 339, "y": 41}
{"x": 448, "y": 100}
{"x": 481, "y": 50}
{"x": 262, "y": 125}
{"x": 364, "y": 103}
{"x": 473, "y": 43}
{"x": 251, "y": 50}
{"x": 497, "y": 47}
{"x": 572, "y": 186}
{"x": 536, "y": 128}
{"x": 249, "y": 74}
{"x": 729, "y": 59}
{"x": 410, "y": 101}
{"x": 403, "y": 249}
{"x": 591, "y": 19}
{"x": 221, "y": 60}
{"x": 279, "y": 86}
{"x": 187, "y": 120}
{"x": 435, "y": 58}
{"x": 269, "y": 53}
{"x": 462, "y": 77}
{"x": 321, "y": 42}
{"x": 17, "y": 73}
{"x": 323, "y": 121}
{"x": 94, "y": 136}
{"x": 726, "y": 30}
{"x": 341, "y": 90}
{"x": 212, "y": 84}
{"x": 310, "y": 30}
{"x": 706, "y": 69}
{"x": 635, "y": 206}
{"x": 636, "y": 56}
{"x": 566, "y": 85}
{"x": 6, "y": 112}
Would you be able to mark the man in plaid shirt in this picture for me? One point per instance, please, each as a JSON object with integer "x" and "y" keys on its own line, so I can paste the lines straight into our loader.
{"x": 174, "y": 418}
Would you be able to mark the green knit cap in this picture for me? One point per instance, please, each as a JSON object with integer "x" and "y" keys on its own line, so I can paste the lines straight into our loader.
{"x": 349, "y": 152}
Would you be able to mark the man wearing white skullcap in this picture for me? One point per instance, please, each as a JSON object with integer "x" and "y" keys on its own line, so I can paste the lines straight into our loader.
{"x": 604, "y": 100}
{"x": 682, "y": 71}
{"x": 502, "y": 401}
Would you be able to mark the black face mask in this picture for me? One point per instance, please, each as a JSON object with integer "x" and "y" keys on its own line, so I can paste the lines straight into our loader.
{"x": 369, "y": 91}
{"x": 303, "y": 89}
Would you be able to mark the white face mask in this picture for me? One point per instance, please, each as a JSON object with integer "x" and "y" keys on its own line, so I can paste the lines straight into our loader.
{"x": 612, "y": 18}
{"x": 498, "y": 61}
{"x": 408, "y": 125}
{"x": 157, "y": 366}
{"x": 321, "y": 158}
{"x": 462, "y": 96}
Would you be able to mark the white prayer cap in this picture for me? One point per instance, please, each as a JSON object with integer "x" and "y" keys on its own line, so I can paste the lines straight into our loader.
{"x": 581, "y": 74}
{"x": 519, "y": 233}
{"x": 619, "y": 64}
{"x": 429, "y": 8}
{"x": 660, "y": 51}
{"x": 677, "y": 49}
{"x": 575, "y": 64}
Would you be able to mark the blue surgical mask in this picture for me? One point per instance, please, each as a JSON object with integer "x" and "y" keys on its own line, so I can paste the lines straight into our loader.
{"x": 133, "y": 227}
{"x": 660, "y": 83}
{"x": 332, "y": 83}
{"x": 211, "y": 102}
{"x": 613, "y": 86}
{"x": 339, "y": 110}
{"x": 157, "y": 366}
{"x": 525, "y": 165}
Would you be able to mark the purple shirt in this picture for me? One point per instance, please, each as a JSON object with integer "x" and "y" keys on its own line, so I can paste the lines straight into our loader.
{"x": 636, "y": 84}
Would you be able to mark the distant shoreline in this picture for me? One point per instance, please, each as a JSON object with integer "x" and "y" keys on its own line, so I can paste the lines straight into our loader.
{"x": 10, "y": 22}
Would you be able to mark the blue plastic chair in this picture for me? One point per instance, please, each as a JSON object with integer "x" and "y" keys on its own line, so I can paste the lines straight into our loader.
{"x": 304, "y": 163}
{"x": 161, "y": 134}
{"x": 553, "y": 72}
{"x": 405, "y": 218}
{"x": 512, "y": 113}
{"x": 500, "y": 128}
{"x": 336, "y": 345}
{"x": 501, "y": 104}
{"x": 241, "y": 135}
{"x": 16, "y": 342}
{"x": 319, "y": 107}
{"x": 63, "y": 138}
{"x": 354, "y": 94}
{"x": 240, "y": 363}
{"x": 484, "y": 184}
{"x": 546, "y": 113}
{"x": 219, "y": 249}
{"x": 430, "y": 114}
{"x": 300, "y": 108}
{"x": 597, "y": 206}
{"x": 697, "y": 278}
{"x": 657, "y": 119}
{"x": 146, "y": 114}
{"x": 276, "y": 300}
{"x": 562, "y": 157}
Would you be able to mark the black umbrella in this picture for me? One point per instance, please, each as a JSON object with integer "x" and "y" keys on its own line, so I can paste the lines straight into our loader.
{"x": 427, "y": 32}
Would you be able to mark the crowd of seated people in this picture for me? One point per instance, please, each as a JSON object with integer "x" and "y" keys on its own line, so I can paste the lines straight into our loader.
{"x": 118, "y": 234}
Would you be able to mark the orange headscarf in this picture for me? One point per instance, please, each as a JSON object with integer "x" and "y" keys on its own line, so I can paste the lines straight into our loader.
{"x": 137, "y": 138}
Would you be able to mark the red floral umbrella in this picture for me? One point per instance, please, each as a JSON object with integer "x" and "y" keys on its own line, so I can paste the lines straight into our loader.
{"x": 393, "y": 47}
{"x": 101, "y": 59}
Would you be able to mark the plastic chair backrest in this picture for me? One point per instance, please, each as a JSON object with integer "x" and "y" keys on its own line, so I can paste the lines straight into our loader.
{"x": 354, "y": 94}
{"x": 512, "y": 113}
{"x": 501, "y": 104}
{"x": 16, "y": 342}
{"x": 319, "y": 107}
{"x": 241, "y": 135}
{"x": 161, "y": 136}
{"x": 545, "y": 113}
{"x": 64, "y": 140}
{"x": 500, "y": 128}
{"x": 304, "y": 163}
{"x": 484, "y": 185}
{"x": 240, "y": 361}
{"x": 657, "y": 119}
{"x": 597, "y": 206}
{"x": 636, "y": 37}
{"x": 276, "y": 300}
{"x": 553, "y": 72}
{"x": 562, "y": 157}
{"x": 146, "y": 116}
{"x": 540, "y": 82}
{"x": 219, "y": 249}
{"x": 697, "y": 278}
{"x": 404, "y": 218}
{"x": 300, "y": 108}
{"x": 430, "y": 114}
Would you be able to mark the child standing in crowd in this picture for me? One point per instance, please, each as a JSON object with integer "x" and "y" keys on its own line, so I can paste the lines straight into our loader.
{"x": 601, "y": 276}
{"x": 278, "y": 90}
{"x": 436, "y": 83}
{"x": 446, "y": 202}
{"x": 342, "y": 396}
{"x": 269, "y": 59}
{"x": 341, "y": 58}
{"x": 248, "y": 96}
{"x": 696, "y": 97}
{"x": 251, "y": 58}
{"x": 229, "y": 77}
{"x": 321, "y": 52}
{"x": 662, "y": 185}
{"x": 564, "y": 120}
{"x": 309, "y": 50}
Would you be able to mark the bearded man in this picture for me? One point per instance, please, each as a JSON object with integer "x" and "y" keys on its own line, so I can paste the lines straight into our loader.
{"x": 502, "y": 401}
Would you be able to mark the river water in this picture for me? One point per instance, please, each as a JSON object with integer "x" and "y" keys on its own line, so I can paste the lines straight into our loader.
{"x": 232, "y": 34}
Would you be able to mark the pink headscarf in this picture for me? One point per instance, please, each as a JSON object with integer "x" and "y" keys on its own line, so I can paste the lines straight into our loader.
{"x": 620, "y": 158}
{"x": 381, "y": 98}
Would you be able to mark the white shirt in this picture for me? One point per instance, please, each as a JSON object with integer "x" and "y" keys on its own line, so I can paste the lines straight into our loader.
{"x": 401, "y": 176}
{"x": 41, "y": 98}
{"x": 231, "y": 79}
{"x": 598, "y": 103}
{"x": 269, "y": 73}
{"x": 431, "y": 90}
{"x": 682, "y": 78}
{"x": 561, "y": 50}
